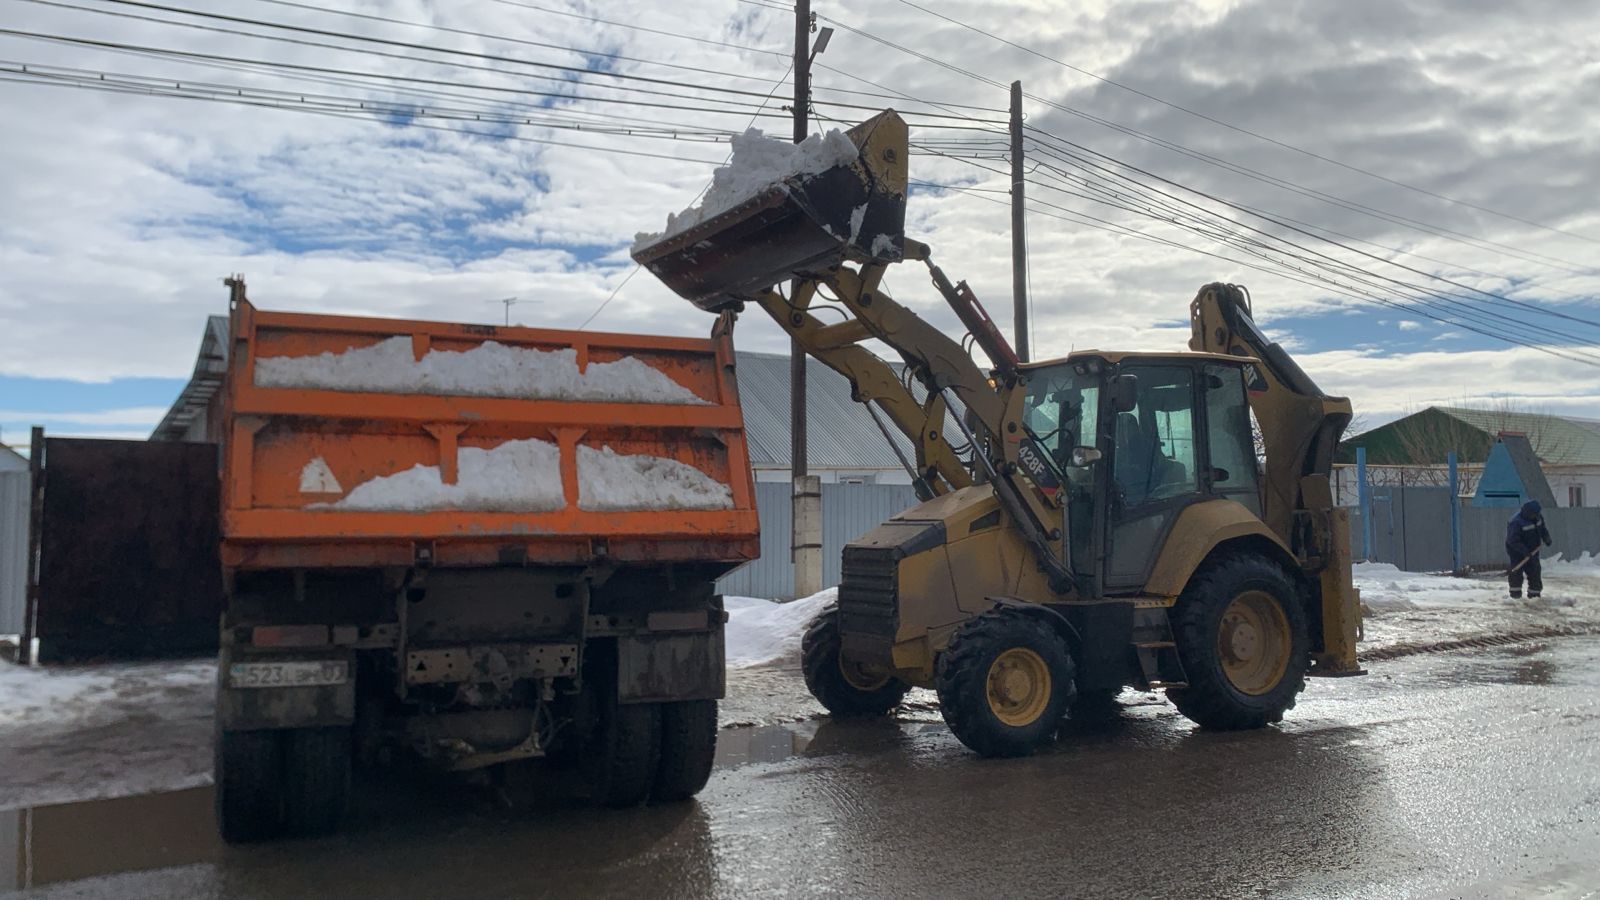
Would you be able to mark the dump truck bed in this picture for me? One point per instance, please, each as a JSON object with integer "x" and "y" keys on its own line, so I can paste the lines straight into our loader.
{"x": 358, "y": 442}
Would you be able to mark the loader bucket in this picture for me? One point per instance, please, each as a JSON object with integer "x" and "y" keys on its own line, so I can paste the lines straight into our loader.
{"x": 806, "y": 223}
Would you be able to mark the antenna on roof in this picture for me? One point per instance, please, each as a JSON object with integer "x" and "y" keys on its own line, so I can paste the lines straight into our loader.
{"x": 509, "y": 302}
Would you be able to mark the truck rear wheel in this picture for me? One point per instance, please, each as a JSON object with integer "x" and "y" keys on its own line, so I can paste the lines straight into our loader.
{"x": 316, "y": 780}
{"x": 688, "y": 749}
{"x": 624, "y": 751}
{"x": 1004, "y": 683}
{"x": 843, "y": 688}
{"x": 248, "y": 773}
{"x": 1241, "y": 634}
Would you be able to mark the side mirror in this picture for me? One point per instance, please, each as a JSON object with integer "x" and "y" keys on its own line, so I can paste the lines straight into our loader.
{"x": 1123, "y": 391}
{"x": 1083, "y": 456}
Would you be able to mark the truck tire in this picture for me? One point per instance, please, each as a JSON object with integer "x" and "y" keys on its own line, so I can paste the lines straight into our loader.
{"x": 316, "y": 780}
{"x": 1241, "y": 633}
{"x": 1004, "y": 683}
{"x": 842, "y": 689}
{"x": 624, "y": 752}
{"x": 688, "y": 748}
{"x": 248, "y": 773}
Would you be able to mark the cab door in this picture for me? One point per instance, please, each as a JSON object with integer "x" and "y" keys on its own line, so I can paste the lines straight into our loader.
{"x": 1155, "y": 468}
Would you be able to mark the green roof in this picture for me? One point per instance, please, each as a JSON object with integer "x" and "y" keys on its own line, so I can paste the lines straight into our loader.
{"x": 1426, "y": 437}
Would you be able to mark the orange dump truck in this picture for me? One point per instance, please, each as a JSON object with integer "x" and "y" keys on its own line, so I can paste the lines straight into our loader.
{"x": 482, "y": 545}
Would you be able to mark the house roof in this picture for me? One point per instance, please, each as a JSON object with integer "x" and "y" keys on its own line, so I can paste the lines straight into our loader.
{"x": 840, "y": 432}
{"x": 12, "y": 461}
{"x": 1556, "y": 440}
{"x": 209, "y": 367}
{"x": 1425, "y": 437}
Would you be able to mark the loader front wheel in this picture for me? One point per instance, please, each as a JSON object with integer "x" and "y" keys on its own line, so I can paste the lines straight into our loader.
{"x": 1004, "y": 683}
{"x": 843, "y": 687}
{"x": 1242, "y": 637}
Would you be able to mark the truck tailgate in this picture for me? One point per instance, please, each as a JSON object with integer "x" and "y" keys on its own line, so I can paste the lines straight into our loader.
{"x": 381, "y": 442}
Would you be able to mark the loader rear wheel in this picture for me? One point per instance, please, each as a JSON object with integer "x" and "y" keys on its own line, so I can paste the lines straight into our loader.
{"x": 248, "y": 774}
{"x": 1004, "y": 683}
{"x": 1242, "y": 637}
{"x": 316, "y": 780}
{"x": 688, "y": 748}
{"x": 844, "y": 688}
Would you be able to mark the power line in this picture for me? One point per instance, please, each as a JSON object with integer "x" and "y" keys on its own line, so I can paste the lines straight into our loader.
{"x": 632, "y": 27}
{"x": 1235, "y": 168}
{"x": 1245, "y": 131}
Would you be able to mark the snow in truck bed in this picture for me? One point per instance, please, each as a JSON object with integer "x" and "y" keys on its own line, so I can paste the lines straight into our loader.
{"x": 758, "y": 163}
{"x": 525, "y": 476}
{"x": 491, "y": 369}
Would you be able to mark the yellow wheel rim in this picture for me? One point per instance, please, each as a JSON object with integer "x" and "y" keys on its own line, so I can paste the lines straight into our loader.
{"x": 1253, "y": 642}
{"x": 1018, "y": 687}
{"x": 860, "y": 677}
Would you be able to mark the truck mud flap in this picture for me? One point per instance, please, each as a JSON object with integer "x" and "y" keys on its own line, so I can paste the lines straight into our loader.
{"x": 669, "y": 668}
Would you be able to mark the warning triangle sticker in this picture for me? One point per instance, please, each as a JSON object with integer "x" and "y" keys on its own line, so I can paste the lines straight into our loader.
{"x": 317, "y": 478}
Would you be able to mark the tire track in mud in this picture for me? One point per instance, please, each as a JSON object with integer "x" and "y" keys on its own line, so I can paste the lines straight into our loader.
{"x": 1482, "y": 642}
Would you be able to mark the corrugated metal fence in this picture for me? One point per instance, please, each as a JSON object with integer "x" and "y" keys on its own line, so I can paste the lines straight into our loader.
{"x": 847, "y": 511}
{"x": 1411, "y": 529}
{"x": 13, "y": 549}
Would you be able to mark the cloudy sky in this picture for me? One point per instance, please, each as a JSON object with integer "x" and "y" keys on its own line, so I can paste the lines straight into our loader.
{"x": 422, "y": 159}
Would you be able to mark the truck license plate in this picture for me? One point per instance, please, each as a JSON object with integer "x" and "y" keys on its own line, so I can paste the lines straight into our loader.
{"x": 288, "y": 674}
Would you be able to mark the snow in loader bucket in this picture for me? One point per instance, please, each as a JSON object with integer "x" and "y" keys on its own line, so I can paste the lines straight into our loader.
{"x": 779, "y": 209}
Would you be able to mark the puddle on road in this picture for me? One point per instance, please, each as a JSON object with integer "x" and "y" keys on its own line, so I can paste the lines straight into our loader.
{"x": 71, "y": 841}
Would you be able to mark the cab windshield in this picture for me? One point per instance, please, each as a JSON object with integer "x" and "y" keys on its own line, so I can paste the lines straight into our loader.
{"x": 1061, "y": 410}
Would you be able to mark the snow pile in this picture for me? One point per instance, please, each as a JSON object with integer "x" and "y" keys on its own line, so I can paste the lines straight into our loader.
{"x": 763, "y": 632}
{"x": 491, "y": 369}
{"x": 525, "y": 476}
{"x": 1385, "y": 587}
{"x": 517, "y": 476}
{"x": 609, "y": 481}
{"x": 758, "y": 163}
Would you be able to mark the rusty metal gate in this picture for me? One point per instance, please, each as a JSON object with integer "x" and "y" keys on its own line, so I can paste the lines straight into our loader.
{"x": 128, "y": 539}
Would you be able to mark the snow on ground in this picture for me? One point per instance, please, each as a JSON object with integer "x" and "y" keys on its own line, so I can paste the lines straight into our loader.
{"x": 491, "y": 369}
{"x": 525, "y": 476}
{"x": 610, "y": 481}
{"x": 758, "y": 163}
{"x": 80, "y": 732}
{"x": 764, "y": 632}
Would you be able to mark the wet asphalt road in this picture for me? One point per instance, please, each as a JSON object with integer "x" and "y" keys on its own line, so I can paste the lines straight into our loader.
{"x": 1462, "y": 774}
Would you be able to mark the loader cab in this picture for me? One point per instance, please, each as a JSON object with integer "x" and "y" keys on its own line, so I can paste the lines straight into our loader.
{"x": 1139, "y": 437}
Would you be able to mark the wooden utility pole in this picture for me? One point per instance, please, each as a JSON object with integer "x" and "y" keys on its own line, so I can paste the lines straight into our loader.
{"x": 1019, "y": 235}
{"x": 805, "y": 548}
{"x": 797, "y": 354}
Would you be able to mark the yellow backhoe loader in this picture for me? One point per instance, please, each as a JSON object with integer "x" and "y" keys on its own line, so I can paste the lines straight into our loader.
{"x": 1104, "y": 519}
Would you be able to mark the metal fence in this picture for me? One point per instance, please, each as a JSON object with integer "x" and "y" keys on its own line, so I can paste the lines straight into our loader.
{"x": 14, "y": 511}
{"x": 1411, "y": 529}
{"x": 847, "y": 511}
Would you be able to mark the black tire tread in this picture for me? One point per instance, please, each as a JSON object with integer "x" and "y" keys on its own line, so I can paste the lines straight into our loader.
{"x": 248, "y": 771}
{"x": 688, "y": 749}
{"x": 962, "y": 674}
{"x": 819, "y": 663}
{"x": 625, "y": 753}
{"x": 1210, "y": 700}
{"x": 316, "y": 780}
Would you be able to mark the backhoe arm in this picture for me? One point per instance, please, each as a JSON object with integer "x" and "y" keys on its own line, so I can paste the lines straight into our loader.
{"x": 1300, "y": 425}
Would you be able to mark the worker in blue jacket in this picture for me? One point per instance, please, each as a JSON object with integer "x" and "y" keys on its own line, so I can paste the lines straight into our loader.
{"x": 1524, "y": 535}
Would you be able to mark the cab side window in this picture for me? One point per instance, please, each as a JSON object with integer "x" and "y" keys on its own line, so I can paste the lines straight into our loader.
{"x": 1233, "y": 459}
{"x": 1155, "y": 441}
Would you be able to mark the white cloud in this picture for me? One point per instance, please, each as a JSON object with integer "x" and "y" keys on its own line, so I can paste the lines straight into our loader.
{"x": 123, "y": 212}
